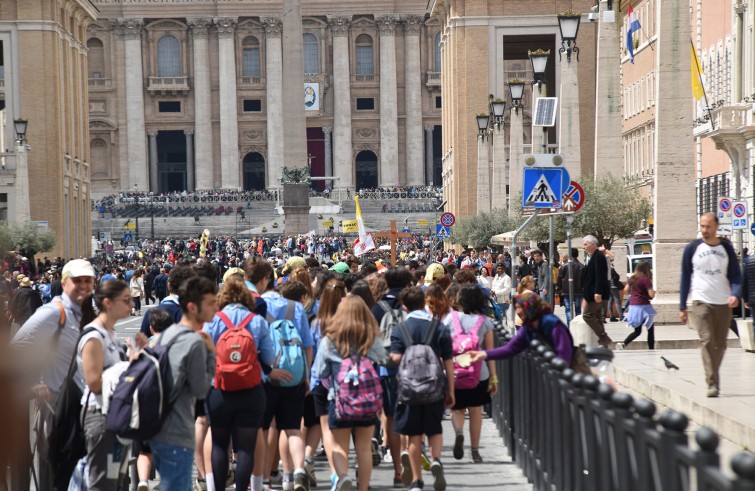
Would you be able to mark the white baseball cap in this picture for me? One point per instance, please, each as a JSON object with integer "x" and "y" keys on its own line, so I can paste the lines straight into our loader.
{"x": 78, "y": 267}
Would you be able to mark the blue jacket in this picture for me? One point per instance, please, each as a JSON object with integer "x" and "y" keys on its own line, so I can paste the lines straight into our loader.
{"x": 257, "y": 327}
{"x": 169, "y": 304}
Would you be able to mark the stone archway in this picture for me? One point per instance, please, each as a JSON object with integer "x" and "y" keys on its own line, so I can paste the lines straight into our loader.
{"x": 254, "y": 171}
{"x": 366, "y": 170}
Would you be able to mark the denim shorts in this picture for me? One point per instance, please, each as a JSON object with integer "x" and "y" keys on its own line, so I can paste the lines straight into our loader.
{"x": 175, "y": 465}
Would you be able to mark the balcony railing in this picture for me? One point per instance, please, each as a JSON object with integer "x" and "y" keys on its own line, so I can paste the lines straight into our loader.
{"x": 168, "y": 85}
{"x": 99, "y": 83}
{"x": 365, "y": 79}
{"x": 251, "y": 81}
{"x": 433, "y": 79}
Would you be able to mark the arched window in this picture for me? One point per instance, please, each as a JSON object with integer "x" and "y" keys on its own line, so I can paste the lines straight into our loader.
{"x": 251, "y": 57}
{"x": 96, "y": 58}
{"x": 364, "y": 55}
{"x": 311, "y": 54}
{"x": 99, "y": 157}
{"x": 437, "y": 52}
{"x": 168, "y": 57}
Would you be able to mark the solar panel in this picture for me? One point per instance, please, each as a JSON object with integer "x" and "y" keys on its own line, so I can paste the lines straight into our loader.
{"x": 545, "y": 111}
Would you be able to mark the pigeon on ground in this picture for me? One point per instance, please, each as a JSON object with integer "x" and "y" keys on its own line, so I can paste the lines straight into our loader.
{"x": 668, "y": 364}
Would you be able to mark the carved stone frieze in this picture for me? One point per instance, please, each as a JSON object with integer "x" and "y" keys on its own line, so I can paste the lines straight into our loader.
{"x": 339, "y": 24}
{"x": 365, "y": 133}
{"x": 200, "y": 26}
{"x": 273, "y": 25}
{"x": 412, "y": 24}
{"x": 129, "y": 28}
{"x": 387, "y": 24}
{"x": 253, "y": 135}
{"x": 226, "y": 26}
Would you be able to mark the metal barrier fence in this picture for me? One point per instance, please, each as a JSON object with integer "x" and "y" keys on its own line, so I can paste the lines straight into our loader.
{"x": 570, "y": 432}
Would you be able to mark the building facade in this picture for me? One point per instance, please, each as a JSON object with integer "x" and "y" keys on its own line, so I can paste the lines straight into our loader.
{"x": 195, "y": 102}
{"x": 43, "y": 60}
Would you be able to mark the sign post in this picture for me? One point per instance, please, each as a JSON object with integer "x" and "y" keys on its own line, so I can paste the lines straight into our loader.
{"x": 725, "y": 206}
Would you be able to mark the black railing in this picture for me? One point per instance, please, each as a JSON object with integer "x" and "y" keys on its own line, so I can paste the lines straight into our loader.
{"x": 572, "y": 432}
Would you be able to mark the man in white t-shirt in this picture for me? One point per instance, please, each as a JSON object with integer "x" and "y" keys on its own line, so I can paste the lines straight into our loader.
{"x": 711, "y": 278}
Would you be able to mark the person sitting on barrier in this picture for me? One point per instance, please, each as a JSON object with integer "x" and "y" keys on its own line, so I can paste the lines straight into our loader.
{"x": 538, "y": 322}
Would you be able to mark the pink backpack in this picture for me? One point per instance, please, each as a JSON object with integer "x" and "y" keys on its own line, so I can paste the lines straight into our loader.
{"x": 359, "y": 395}
{"x": 466, "y": 377}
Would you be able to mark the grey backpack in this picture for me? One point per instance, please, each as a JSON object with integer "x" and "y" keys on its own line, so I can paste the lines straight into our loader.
{"x": 390, "y": 319}
{"x": 420, "y": 374}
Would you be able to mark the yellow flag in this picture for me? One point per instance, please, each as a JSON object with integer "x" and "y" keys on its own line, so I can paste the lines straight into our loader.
{"x": 697, "y": 75}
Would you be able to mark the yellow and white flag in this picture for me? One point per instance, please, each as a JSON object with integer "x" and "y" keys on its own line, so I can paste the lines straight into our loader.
{"x": 698, "y": 89}
{"x": 364, "y": 243}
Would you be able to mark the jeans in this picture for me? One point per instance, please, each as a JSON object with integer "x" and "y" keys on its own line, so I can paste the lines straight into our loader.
{"x": 174, "y": 465}
{"x": 609, "y": 303}
{"x": 577, "y": 306}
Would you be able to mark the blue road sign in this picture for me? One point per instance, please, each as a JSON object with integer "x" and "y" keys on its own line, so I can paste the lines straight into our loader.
{"x": 406, "y": 230}
{"x": 752, "y": 228}
{"x": 543, "y": 187}
{"x": 128, "y": 237}
{"x": 442, "y": 232}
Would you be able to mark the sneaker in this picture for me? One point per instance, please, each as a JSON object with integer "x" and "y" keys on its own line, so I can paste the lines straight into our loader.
{"x": 424, "y": 459}
{"x": 229, "y": 478}
{"x": 416, "y": 486}
{"x": 712, "y": 391}
{"x": 376, "y": 456}
{"x": 287, "y": 485}
{"x": 440, "y": 479}
{"x": 476, "y": 457}
{"x": 459, "y": 446}
{"x": 144, "y": 486}
{"x": 406, "y": 469}
{"x": 397, "y": 482}
{"x": 301, "y": 482}
{"x": 276, "y": 479}
{"x": 309, "y": 469}
{"x": 619, "y": 346}
{"x": 343, "y": 484}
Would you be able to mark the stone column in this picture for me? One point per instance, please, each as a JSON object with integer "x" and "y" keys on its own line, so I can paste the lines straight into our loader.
{"x": 274, "y": 98}
{"x": 674, "y": 212}
{"x": 568, "y": 128}
{"x": 343, "y": 160}
{"x": 22, "y": 212}
{"x": 204, "y": 170}
{"x": 537, "y": 132}
{"x": 413, "y": 99}
{"x": 229, "y": 130}
{"x": 190, "y": 186}
{"x": 153, "y": 163}
{"x": 498, "y": 178}
{"x": 429, "y": 154}
{"x": 516, "y": 144}
{"x": 483, "y": 176}
{"x": 294, "y": 117}
{"x": 389, "y": 175}
{"x": 327, "y": 131}
{"x": 131, "y": 30}
{"x": 608, "y": 96}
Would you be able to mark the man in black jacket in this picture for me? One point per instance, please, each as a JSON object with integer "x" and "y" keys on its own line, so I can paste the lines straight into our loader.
{"x": 595, "y": 288}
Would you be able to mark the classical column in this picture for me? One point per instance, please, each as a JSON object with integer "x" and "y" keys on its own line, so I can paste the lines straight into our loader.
{"x": 429, "y": 155}
{"x": 389, "y": 175}
{"x": 516, "y": 144}
{"x": 483, "y": 175}
{"x": 294, "y": 117}
{"x": 190, "y": 186}
{"x": 131, "y": 30}
{"x": 153, "y": 163}
{"x": 498, "y": 178}
{"x": 229, "y": 130}
{"x": 413, "y": 99}
{"x": 608, "y": 96}
{"x": 674, "y": 212}
{"x": 274, "y": 98}
{"x": 568, "y": 128}
{"x": 22, "y": 212}
{"x": 204, "y": 172}
{"x": 343, "y": 160}
{"x": 327, "y": 131}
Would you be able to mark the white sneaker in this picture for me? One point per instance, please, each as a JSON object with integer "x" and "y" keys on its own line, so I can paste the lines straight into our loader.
{"x": 144, "y": 486}
{"x": 287, "y": 485}
{"x": 619, "y": 346}
{"x": 342, "y": 484}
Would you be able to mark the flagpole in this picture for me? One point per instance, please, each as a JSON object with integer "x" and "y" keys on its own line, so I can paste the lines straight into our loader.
{"x": 700, "y": 77}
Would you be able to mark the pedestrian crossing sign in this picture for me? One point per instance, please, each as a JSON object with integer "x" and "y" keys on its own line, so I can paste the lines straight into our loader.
{"x": 442, "y": 232}
{"x": 543, "y": 187}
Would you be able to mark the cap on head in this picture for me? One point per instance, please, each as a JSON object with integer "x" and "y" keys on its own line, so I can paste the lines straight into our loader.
{"x": 24, "y": 282}
{"x": 341, "y": 267}
{"x": 76, "y": 268}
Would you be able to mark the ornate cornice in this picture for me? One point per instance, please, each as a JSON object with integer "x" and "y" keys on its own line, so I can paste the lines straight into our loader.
{"x": 128, "y": 28}
{"x": 413, "y": 24}
{"x": 387, "y": 24}
{"x": 200, "y": 26}
{"x": 226, "y": 26}
{"x": 327, "y": 130}
{"x": 339, "y": 24}
{"x": 273, "y": 25}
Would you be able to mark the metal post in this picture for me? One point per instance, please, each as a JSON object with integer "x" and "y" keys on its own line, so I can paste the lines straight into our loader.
{"x": 513, "y": 242}
{"x": 569, "y": 220}
{"x": 152, "y": 220}
{"x": 549, "y": 281}
{"x": 740, "y": 243}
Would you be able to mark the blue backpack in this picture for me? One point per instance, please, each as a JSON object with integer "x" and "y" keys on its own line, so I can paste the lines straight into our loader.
{"x": 289, "y": 351}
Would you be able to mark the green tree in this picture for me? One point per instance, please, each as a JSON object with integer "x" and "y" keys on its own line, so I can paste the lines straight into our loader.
{"x": 6, "y": 239}
{"x": 539, "y": 228}
{"x": 611, "y": 210}
{"x": 477, "y": 230}
{"x": 29, "y": 240}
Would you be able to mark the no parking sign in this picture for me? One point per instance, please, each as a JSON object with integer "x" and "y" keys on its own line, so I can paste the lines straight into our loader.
{"x": 739, "y": 215}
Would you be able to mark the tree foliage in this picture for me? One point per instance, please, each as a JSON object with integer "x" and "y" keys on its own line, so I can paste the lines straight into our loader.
{"x": 29, "y": 240}
{"x": 6, "y": 239}
{"x": 477, "y": 230}
{"x": 611, "y": 210}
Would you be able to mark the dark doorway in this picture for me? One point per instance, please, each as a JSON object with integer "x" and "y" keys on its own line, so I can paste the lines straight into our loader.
{"x": 254, "y": 171}
{"x": 171, "y": 158}
{"x": 367, "y": 170}
{"x": 437, "y": 178}
{"x": 316, "y": 150}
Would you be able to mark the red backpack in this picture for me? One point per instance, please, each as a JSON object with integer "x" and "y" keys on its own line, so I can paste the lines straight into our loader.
{"x": 236, "y": 365}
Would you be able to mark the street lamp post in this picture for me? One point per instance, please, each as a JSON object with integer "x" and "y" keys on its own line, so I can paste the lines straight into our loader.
{"x": 483, "y": 164}
{"x": 516, "y": 140}
{"x": 568, "y": 24}
{"x": 568, "y": 128}
{"x": 498, "y": 161}
{"x": 21, "y": 180}
{"x": 539, "y": 60}
{"x": 138, "y": 205}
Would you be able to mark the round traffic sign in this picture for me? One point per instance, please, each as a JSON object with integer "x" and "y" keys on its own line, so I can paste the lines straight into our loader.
{"x": 740, "y": 210}
{"x": 725, "y": 204}
{"x": 752, "y": 228}
{"x": 574, "y": 197}
{"x": 447, "y": 219}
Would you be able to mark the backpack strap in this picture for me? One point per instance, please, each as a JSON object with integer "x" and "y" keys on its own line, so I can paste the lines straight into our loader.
{"x": 480, "y": 321}
{"x": 404, "y": 328}
{"x": 431, "y": 333}
{"x": 226, "y": 320}
{"x": 245, "y": 322}
{"x": 456, "y": 323}
{"x": 290, "y": 310}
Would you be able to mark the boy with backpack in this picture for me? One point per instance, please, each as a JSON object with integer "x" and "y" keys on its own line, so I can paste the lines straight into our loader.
{"x": 293, "y": 344}
{"x": 422, "y": 347}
